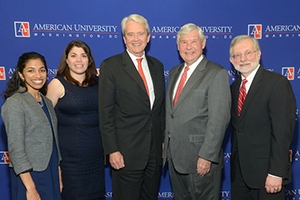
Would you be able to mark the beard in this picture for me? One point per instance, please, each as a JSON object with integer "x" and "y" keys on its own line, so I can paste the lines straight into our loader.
{"x": 250, "y": 66}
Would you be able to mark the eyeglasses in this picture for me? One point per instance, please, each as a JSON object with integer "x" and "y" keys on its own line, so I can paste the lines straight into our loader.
{"x": 247, "y": 54}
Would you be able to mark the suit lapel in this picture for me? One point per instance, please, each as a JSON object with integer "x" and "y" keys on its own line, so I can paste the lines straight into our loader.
{"x": 255, "y": 85}
{"x": 156, "y": 83}
{"x": 172, "y": 82}
{"x": 130, "y": 68}
{"x": 235, "y": 92}
{"x": 194, "y": 78}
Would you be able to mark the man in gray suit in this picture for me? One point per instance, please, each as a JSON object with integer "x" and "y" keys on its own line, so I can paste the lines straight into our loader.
{"x": 196, "y": 119}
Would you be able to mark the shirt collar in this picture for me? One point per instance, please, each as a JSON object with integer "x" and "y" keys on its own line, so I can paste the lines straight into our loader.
{"x": 250, "y": 77}
{"x": 133, "y": 57}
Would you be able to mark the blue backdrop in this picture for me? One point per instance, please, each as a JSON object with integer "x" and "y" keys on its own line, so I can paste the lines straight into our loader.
{"x": 48, "y": 26}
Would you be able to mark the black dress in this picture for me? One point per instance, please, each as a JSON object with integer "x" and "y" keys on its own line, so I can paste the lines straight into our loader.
{"x": 80, "y": 143}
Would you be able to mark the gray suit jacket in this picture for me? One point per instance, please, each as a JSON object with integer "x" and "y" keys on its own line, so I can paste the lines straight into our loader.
{"x": 29, "y": 133}
{"x": 195, "y": 127}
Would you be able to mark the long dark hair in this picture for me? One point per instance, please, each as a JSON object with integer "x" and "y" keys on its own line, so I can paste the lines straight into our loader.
{"x": 64, "y": 70}
{"x": 15, "y": 82}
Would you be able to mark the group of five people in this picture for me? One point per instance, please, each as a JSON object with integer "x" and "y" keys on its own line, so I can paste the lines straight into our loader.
{"x": 124, "y": 113}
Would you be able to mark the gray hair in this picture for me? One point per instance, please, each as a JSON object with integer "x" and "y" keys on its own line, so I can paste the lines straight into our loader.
{"x": 137, "y": 18}
{"x": 241, "y": 38}
{"x": 187, "y": 28}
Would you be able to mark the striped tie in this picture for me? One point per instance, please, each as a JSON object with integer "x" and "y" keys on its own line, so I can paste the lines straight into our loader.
{"x": 242, "y": 96}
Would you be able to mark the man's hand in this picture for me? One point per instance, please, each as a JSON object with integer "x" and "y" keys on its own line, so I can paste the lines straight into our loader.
{"x": 116, "y": 160}
{"x": 273, "y": 184}
{"x": 203, "y": 166}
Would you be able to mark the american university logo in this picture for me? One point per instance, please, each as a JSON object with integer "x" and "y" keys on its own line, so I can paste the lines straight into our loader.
{"x": 22, "y": 29}
{"x": 2, "y": 73}
{"x": 288, "y": 72}
{"x": 255, "y": 30}
{"x": 4, "y": 157}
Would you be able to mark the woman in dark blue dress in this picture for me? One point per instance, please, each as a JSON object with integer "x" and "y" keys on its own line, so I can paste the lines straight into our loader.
{"x": 31, "y": 128}
{"x": 74, "y": 93}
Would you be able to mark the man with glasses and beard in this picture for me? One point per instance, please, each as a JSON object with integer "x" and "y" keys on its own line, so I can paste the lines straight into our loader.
{"x": 263, "y": 120}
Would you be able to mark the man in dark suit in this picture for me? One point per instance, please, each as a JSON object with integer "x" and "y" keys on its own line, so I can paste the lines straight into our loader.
{"x": 196, "y": 119}
{"x": 262, "y": 126}
{"x": 131, "y": 107}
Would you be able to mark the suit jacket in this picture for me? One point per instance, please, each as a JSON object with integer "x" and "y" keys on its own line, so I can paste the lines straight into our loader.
{"x": 127, "y": 123}
{"x": 262, "y": 135}
{"x": 29, "y": 133}
{"x": 195, "y": 127}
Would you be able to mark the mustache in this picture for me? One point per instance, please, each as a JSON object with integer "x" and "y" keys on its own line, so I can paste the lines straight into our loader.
{"x": 245, "y": 63}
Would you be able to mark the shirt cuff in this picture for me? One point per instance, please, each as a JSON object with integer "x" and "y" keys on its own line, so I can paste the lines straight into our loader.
{"x": 274, "y": 176}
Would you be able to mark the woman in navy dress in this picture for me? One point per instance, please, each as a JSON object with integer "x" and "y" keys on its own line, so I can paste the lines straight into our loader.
{"x": 74, "y": 93}
{"x": 31, "y": 128}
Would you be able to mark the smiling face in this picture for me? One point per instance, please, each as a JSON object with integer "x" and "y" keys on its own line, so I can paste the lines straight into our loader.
{"x": 34, "y": 75}
{"x": 78, "y": 61}
{"x": 190, "y": 47}
{"x": 136, "y": 38}
{"x": 245, "y": 58}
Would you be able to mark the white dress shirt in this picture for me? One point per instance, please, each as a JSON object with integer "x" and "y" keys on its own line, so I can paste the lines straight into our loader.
{"x": 147, "y": 75}
{"x": 189, "y": 73}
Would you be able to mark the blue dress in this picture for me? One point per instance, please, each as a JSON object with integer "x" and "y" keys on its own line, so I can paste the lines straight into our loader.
{"x": 46, "y": 182}
{"x": 80, "y": 143}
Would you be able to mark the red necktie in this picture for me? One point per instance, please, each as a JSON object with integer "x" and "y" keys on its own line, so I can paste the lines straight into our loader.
{"x": 242, "y": 96}
{"x": 180, "y": 85}
{"x": 141, "y": 72}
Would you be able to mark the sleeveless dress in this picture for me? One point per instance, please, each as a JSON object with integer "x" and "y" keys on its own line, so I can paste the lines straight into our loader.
{"x": 80, "y": 143}
{"x": 46, "y": 182}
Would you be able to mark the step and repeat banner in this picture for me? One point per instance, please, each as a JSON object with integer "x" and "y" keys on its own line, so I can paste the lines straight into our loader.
{"x": 48, "y": 26}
